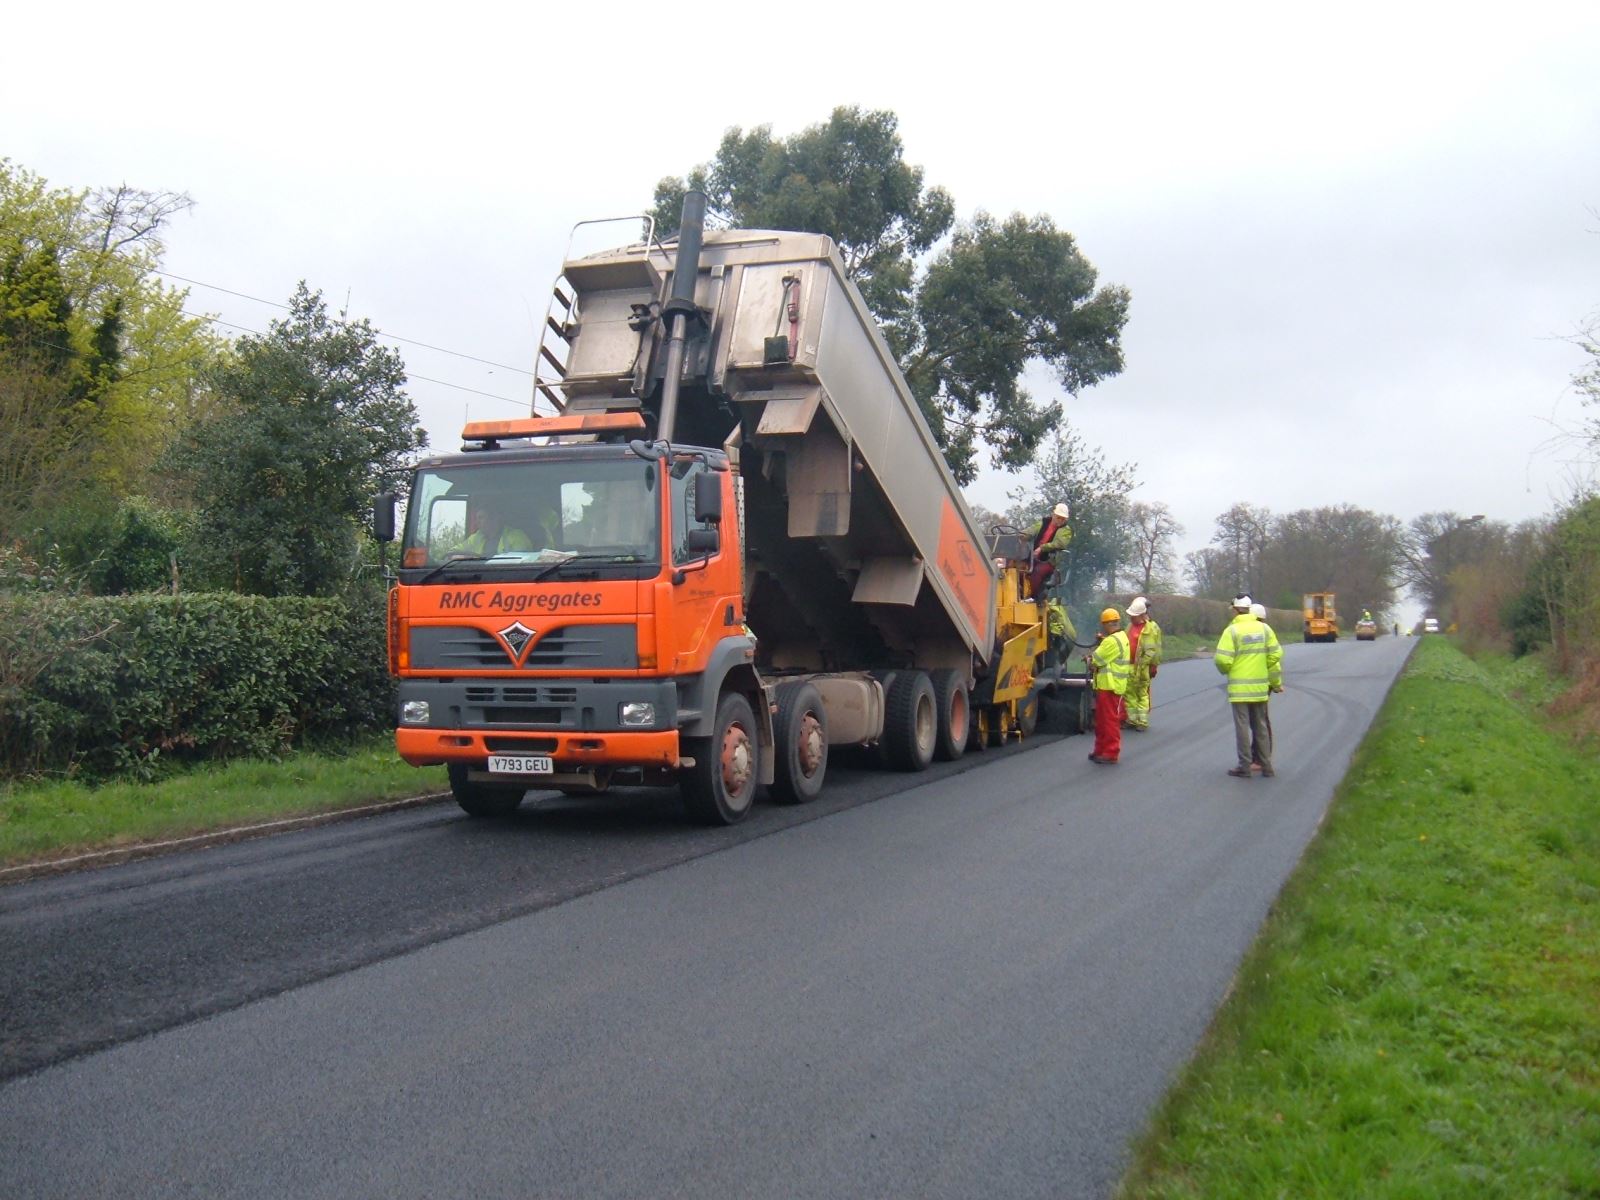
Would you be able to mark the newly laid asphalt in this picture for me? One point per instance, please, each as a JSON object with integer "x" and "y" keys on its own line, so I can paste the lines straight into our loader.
{"x": 974, "y": 982}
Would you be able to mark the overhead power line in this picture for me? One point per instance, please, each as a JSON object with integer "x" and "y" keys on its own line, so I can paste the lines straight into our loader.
{"x": 409, "y": 373}
{"x": 393, "y": 337}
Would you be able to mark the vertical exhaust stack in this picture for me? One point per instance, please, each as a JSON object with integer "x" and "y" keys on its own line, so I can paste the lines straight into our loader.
{"x": 680, "y": 308}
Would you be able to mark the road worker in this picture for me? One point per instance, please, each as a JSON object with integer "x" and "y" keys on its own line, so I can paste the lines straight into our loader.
{"x": 1059, "y": 633}
{"x": 1248, "y": 653}
{"x": 1112, "y": 662}
{"x": 1144, "y": 642}
{"x": 1048, "y": 538}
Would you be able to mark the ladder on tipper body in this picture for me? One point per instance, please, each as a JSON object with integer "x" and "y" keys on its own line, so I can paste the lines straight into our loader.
{"x": 561, "y": 320}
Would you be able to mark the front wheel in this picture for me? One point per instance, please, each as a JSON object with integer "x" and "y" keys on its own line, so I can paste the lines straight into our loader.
{"x": 483, "y": 799}
{"x": 720, "y": 788}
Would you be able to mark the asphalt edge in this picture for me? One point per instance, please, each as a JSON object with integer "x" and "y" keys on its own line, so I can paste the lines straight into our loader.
{"x": 216, "y": 837}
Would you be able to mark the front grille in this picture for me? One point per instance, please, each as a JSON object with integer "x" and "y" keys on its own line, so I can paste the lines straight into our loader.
{"x": 571, "y": 648}
{"x": 494, "y": 693}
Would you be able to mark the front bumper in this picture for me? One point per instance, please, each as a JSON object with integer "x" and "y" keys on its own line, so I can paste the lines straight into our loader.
{"x": 573, "y": 752}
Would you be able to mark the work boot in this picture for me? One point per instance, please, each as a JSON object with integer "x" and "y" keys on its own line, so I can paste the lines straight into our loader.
{"x": 1239, "y": 772}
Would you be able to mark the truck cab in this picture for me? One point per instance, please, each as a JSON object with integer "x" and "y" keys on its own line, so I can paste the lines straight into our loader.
{"x": 564, "y": 611}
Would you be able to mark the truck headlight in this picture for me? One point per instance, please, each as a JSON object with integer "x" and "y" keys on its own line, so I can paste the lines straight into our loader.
{"x": 414, "y": 712}
{"x": 636, "y": 712}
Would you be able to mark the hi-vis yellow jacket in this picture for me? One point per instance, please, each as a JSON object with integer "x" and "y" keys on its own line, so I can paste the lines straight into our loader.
{"x": 1112, "y": 662}
{"x": 1149, "y": 644}
{"x": 1248, "y": 653}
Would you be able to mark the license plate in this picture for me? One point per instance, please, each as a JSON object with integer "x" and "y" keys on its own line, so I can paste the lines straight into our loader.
{"x": 521, "y": 764}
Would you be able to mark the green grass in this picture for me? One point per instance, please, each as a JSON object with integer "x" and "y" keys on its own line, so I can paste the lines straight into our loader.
{"x": 49, "y": 820}
{"x": 1421, "y": 1015}
{"x": 1178, "y": 646}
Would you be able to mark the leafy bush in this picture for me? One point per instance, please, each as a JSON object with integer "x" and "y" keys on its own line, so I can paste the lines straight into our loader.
{"x": 99, "y": 687}
{"x": 128, "y": 546}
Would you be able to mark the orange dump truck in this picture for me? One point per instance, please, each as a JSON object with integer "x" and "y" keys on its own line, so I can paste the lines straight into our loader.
{"x": 732, "y": 546}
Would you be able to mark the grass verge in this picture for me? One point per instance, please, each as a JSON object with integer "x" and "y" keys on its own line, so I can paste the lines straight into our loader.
{"x": 1178, "y": 646}
{"x": 1419, "y": 1017}
{"x": 49, "y": 820}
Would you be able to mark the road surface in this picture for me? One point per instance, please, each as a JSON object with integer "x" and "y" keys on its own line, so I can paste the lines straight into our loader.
{"x": 975, "y": 982}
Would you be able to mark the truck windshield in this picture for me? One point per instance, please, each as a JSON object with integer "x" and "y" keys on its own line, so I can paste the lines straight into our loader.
{"x": 534, "y": 513}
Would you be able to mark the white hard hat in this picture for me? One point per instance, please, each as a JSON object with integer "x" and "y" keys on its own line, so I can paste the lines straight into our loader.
{"x": 1061, "y": 510}
{"x": 1242, "y": 602}
{"x": 1258, "y": 611}
{"x": 1138, "y": 607}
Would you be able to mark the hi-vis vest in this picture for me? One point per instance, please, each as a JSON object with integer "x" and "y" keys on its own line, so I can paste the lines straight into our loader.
{"x": 1149, "y": 644}
{"x": 1248, "y": 653}
{"x": 1111, "y": 663}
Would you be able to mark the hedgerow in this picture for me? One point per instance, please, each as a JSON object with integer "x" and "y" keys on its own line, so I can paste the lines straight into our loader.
{"x": 119, "y": 685}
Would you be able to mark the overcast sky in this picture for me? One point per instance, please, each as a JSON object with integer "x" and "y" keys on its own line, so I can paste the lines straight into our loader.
{"x": 1355, "y": 235}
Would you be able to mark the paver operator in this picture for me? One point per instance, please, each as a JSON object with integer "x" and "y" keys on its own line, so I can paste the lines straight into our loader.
{"x": 1048, "y": 538}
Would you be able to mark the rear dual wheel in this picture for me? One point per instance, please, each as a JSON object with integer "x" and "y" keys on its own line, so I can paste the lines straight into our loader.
{"x": 953, "y": 704}
{"x": 800, "y": 734}
{"x": 910, "y": 721}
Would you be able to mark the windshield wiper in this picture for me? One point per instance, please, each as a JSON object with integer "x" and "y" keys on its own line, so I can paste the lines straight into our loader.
{"x": 551, "y": 568}
{"x": 455, "y": 562}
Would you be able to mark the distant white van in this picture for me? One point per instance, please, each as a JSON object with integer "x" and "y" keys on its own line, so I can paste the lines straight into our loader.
{"x": 1430, "y": 624}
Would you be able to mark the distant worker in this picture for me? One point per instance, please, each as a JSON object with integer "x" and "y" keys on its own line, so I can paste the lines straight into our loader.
{"x": 1047, "y": 538}
{"x": 1366, "y": 614}
{"x": 1144, "y": 642}
{"x": 1248, "y": 653}
{"x": 1112, "y": 662}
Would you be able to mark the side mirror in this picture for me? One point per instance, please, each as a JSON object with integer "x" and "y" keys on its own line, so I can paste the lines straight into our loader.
{"x": 707, "y": 499}
{"x": 383, "y": 517}
{"x": 702, "y": 541}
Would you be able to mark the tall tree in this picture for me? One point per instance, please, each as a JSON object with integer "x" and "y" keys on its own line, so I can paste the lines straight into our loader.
{"x": 313, "y": 422}
{"x": 1210, "y": 573}
{"x": 1069, "y": 469}
{"x": 1437, "y": 544}
{"x": 1000, "y": 296}
{"x": 1153, "y": 529}
{"x": 135, "y": 353}
{"x": 1345, "y": 548}
{"x": 1241, "y": 536}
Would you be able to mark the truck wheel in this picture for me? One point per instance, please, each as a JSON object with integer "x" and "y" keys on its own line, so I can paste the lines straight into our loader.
{"x": 721, "y": 786}
{"x": 954, "y": 705}
{"x": 483, "y": 799}
{"x": 801, "y": 735}
{"x": 910, "y": 722}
